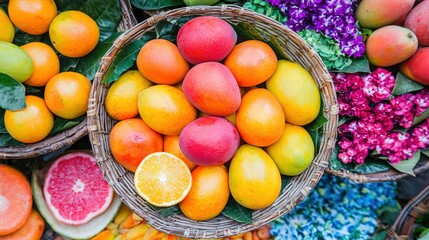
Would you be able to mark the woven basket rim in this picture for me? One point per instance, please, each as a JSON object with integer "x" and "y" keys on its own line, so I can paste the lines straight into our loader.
{"x": 69, "y": 136}
{"x": 403, "y": 224}
{"x": 121, "y": 180}
{"x": 386, "y": 176}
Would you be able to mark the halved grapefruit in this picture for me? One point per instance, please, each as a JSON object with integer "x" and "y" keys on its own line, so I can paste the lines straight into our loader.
{"x": 74, "y": 189}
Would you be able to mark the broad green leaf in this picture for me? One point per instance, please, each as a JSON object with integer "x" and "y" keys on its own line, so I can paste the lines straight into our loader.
{"x": 421, "y": 118}
{"x": 125, "y": 59}
{"x": 89, "y": 64}
{"x": 318, "y": 121}
{"x": 425, "y": 152}
{"x": 405, "y": 85}
{"x": 106, "y": 13}
{"x": 155, "y": 4}
{"x": 31, "y": 89}
{"x": 380, "y": 235}
{"x": 12, "y": 93}
{"x": 358, "y": 65}
{"x": 316, "y": 136}
{"x": 6, "y": 140}
{"x": 22, "y": 38}
{"x": 280, "y": 52}
{"x": 236, "y": 212}
{"x": 67, "y": 64}
{"x": 2, "y": 127}
{"x": 166, "y": 211}
{"x": 63, "y": 5}
{"x": 424, "y": 235}
{"x": 370, "y": 166}
{"x": 407, "y": 166}
{"x": 387, "y": 214}
{"x": 343, "y": 119}
{"x": 168, "y": 29}
{"x": 61, "y": 124}
{"x": 334, "y": 161}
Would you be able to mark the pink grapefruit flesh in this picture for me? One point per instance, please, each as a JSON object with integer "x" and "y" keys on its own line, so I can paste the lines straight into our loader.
{"x": 74, "y": 189}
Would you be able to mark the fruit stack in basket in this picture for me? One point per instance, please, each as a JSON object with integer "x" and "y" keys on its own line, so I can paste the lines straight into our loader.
{"x": 208, "y": 117}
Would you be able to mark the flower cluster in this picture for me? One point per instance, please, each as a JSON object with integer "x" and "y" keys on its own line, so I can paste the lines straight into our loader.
{"x": 334, "y": 18}
{"x": 336, "y": 209}
{"x": 374, "y": 115}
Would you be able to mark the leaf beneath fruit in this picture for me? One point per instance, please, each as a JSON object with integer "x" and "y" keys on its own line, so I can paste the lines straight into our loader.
{"x": 166, "y": 211}
{"x": 421, "y": 118}
{"x": 67, "y": 64}
{"x": 12, "y": 93}
{"x": 64, "y": 5}
{"x": 89, "y": 64}
{"x": 61, "y": 124}
{"x": 318, "y": 121}
{"x": 168, "y": 29}
{"x": 405, "y": 85}
{"x": 22, "y": 38}
{"x": 358, "y": 65}
{"x": 316, "y": 136}
{"x": 236, "y": 212}
{"x": 155, "y": 4}
{"x": 370, "y": 166}
{"x": 7, "y": 140}
{"x": 388, "y": 213}
{"x": 425, "y": 152}
{"x": 407, "y": 166}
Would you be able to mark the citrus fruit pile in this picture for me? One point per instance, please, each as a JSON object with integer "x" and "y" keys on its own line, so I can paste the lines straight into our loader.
{"x": 207, "y": 117}
{"x": 18, "y": 219}
{"x": 50, "y": 93}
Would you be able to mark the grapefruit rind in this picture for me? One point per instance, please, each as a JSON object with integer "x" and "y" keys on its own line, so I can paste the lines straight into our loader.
{"x": 47, "y": 195}
{"x": 84, "y": 231}
{"x": 148, "y": 198}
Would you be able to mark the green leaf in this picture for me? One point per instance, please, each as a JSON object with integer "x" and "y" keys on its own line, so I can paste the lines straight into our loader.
{"x": 67, "y": 64}
{"x": 89, "y": 64}
{"x": 358, "y": 65}
{"x": 387, "y": 214}
{"x": 168, "y": 29}
{"x": 6, "y": 140}
{"x": 425, "y": 152}
{"x": 318, "y": 121}
{"x": 407, "y": 166}
{"x": 106, "y": 13}
{"x": 12, "y": 93}
{"x": 316, "y": 136}
{"x": 405, "y": 85}
{"x": 31, "y": 89}
{"x": 334, "y": 162}
{"x": 421, "y": 118}
{"x": 379, "y": 236}
{"x": 155, "y": 4}
{"x": 424, "y": 235}
{"x": 63, "y": 5}
{"x": 22, "y": 38}
{"x": 370, "y": 166}
{"x": 236, "y": 212}
{"x": 343, "y": 119}
{"x": 166, "y": 211}
{"x": 2, "y": 127}
{"x": 61, "y": 124}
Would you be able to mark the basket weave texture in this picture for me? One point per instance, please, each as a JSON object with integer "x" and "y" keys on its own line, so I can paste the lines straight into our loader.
{"x": 386, "y": 176}
{"x": 403, "y": 226}
{"x": 121, "y": 180}
{"x": 71, "y": 135}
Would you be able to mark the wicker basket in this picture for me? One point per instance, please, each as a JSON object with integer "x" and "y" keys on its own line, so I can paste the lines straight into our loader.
{"x": 403, "y": 226}
{"x": 100, "y": 125}
{"x": 71, "y": 135}
{"x": 390, "y": 175}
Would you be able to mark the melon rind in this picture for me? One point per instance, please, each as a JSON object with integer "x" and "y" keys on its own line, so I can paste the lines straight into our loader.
{"x": 84, "y": 231}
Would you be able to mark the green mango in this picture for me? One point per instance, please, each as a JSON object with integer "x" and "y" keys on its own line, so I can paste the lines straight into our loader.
{"x": 15, "y": 62}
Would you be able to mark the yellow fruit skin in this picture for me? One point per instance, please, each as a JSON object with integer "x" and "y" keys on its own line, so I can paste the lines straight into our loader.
{"x": 7, "y": 31}
{"x": 254, "y": 179}
{"x": 293, "y": 152}
{"x": 121, "y": 98}
{"x": 296, "y": 91}
{"x": 15, "y": 62}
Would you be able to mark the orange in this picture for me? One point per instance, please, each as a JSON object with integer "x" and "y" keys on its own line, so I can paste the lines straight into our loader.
{"x": 251, "y": 62}
{"x": 171, "y": 145}
{"x": 260, "y": 110}
{"x": 162, "y": 179}
{"x": 294, "y": 151}
{"x": 67, "y": 94}
{"x": 165, "y": 109}
{"x": 131, "y": 140}
{"x": 160, "y": 61}
{"x": 74, "y": 34}
{"x": 16, "y": 200}
{"x": 45, "y": 62}
{"x": 32, "y": 16}
{"x": 32, "y": 229}
{"x": 31, "y": 124}
{"x": 208, "y": 195}
{"x": 121, "y": 98}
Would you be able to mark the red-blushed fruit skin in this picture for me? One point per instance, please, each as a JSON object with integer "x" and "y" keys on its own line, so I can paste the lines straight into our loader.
{"x": 212, "y": 89}
{"x": 209, "y": 141}
{"x": 417, "y": 66}
{"x": 205, "y": 39}
{"x": 390, "y": 45}
{"x": 418, "y": 21}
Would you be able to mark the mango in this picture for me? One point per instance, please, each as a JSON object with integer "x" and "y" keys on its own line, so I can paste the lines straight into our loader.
{"x": 205, "y": 39}
{"x": 418, "y": 22}
{"x": 378, "y": 13}
{"x": 15, "y": 62}
{"x": 416, "y": 67}
{"x": 390, "y": 45}
{"x": 7, "y": 31}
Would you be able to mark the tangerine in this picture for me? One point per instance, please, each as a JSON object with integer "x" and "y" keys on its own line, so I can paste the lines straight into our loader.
{"x": 160, "y": 61}
{"x": 45, "y": 63}
{"x": 67, "y": 94}
{"x": 31, "y": 124}
{"x": 251, "y": 62}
